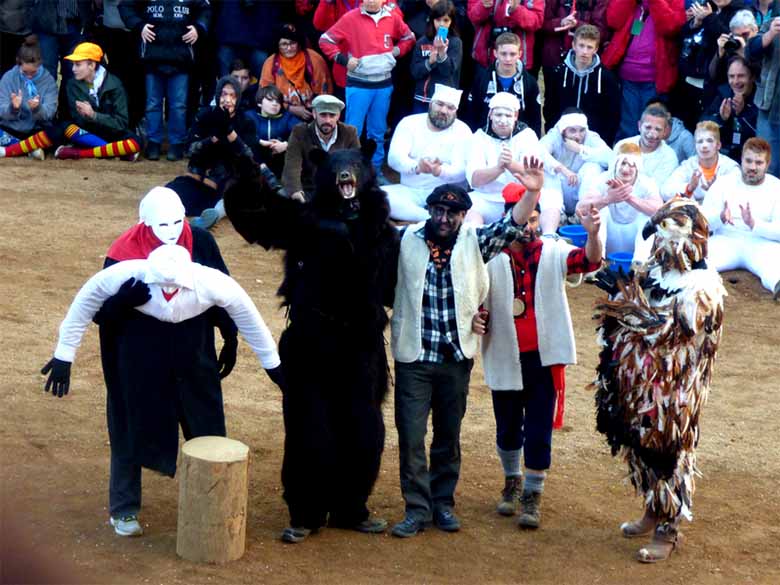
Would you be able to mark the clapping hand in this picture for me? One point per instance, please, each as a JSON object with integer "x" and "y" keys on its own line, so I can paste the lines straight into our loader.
{"x": 693, "y": 183}
{"x": 34, "y": 103}
{"x": 85, "y": 109}
{"x": 16, "y": 100}
{"x": 618, "y": 191}
{"x": 747, "y": 215}
{"x": 725, "y": 215}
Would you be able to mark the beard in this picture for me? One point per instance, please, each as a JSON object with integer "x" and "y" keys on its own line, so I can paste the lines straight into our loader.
{"x": 753, "y": 179}
{"x": 528, "y": 237}
{"x": 440, "y": 121}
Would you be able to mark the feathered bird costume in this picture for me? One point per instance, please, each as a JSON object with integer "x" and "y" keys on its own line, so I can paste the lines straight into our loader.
{"x": 659, "y": 330}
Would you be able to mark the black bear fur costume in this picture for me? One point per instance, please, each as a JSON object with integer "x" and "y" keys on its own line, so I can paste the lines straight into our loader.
{"x": 340, "y": 272}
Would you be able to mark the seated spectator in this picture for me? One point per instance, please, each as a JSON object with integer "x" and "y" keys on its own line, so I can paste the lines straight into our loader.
{"x": 627, "y": 199}
{"x": 733, "y": 108}
{"x": 581, "y": 81}
{"x": 436, "y": 59}
{"x": 695, "y": 176}
{"x": 496, "y": 155}
{"x": 28, "y": 102}
{"x": 579, "y": 157}
{"x": 368, "y": 42}
{"x": 301, "y": 74}
{"x": 97, "y": 105}
{"x": 561, "y": 19}
{"x": 679, "y": 138}
{"x": 273, "y": 125}
{"x": 241, "y": 73}
{"x": 492, "y": 18}
{"x": 427, "y": 150}
{"x": 220, "y": 134}
{"x": 644, "y": 51}
{"x": 743, "y": 210}
{"x": 506, "y": 74}
{"x": 324, "y": 132}
{"x": 658, "y": 159}
{"x": 742, "y": 28}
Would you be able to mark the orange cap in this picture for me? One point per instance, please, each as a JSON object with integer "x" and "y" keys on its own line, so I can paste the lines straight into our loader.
{"x": 86, "y": 52}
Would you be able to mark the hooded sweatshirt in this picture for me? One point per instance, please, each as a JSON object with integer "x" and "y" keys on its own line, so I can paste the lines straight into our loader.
{"x": 594, "y": 90}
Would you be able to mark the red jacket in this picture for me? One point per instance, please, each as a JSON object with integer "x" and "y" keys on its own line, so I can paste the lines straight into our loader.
{"x": 669, "y": 18}
{"x": 524, "y": 21}
{"x": 555, "y": 45}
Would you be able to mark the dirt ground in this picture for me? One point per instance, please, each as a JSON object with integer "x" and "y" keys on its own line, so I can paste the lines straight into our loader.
{"x": 59, "y": 217}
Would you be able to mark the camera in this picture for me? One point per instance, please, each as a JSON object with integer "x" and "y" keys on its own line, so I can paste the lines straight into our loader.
{"x": 732, "y": 43}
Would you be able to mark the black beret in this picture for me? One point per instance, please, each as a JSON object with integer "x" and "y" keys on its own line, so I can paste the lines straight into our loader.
{"x": 451, "y": 195}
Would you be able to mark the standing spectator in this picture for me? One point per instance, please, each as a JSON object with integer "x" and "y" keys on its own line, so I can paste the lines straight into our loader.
{"x": 494, "y": 17}
{"x": 13, "y": 29}
{"x": 97, "y": 103}
{"x": 28, "y": 102}
{"x": 582, "y": 82}
{"x": 245, "y": 29}
{"x": 561, "y": 19}
{"x": 506, "y": 74}
{"x": 368, "y": 42}
{"x": 442, "y": 280}
{"x": 765, "y": 48}
{"x": 644, "y": 50}
{"x": 299, "y": 73}
{"x": 742, "y": 28}
{"x": 765, "y": 10}
{"x": 167, "y": 32}
{"x": 436, "y": 59}
{"x": 734, "y": 110}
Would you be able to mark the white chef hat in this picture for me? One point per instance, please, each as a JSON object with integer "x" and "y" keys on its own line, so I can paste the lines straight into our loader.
{"x": 572, "y": 119}
{"x": 446, "y": 94}
{"x": 504, "y": 99}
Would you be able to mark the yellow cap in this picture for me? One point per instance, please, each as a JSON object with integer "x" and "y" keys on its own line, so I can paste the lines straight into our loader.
{"x": 86, "y": 52}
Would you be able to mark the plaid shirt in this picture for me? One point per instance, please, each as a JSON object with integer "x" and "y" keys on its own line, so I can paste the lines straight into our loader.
{"x": 439, "y": 323}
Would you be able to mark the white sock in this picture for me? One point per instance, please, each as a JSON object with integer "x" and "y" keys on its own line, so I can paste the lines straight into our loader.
{"x": 220, "y": 207}
{"x": 2, "y": 151}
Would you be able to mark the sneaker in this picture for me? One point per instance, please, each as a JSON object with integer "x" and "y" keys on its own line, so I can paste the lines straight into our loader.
{"x": 127, "y": 526}
{"x": 66, "y": 152}
{"x": 531, "y": 503}
{"x": 445, "y": 520}
{"x": 37, "y": 154}
{"x": 509, "y": 503}
{"x": 130, "y": 157}
{"x": 294, "y": 535}
{"x": 371, "y": 526}
{"x": 175, "y": 152}
{"x": 206, "y": 220}
{"x": 409, "y": 526}
{"x": 152, "y": 151}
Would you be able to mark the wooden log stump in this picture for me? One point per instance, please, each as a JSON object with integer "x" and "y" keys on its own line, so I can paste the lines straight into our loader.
{"x": 212, "y": 500}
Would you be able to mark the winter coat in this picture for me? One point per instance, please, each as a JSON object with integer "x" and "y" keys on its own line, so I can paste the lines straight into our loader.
{"x": 524, "y": 21}
{"x": 41, "y": 16}
{"x": 668, "y": 16}
{"x": 594, "y": 90}
{"x": 702, "y": 41}
{"x": 555, "y": 45}
{"x": 12, "y": 17}
{"x": 170, "y": 19}
{"x": 446, "y": 72}
{"x": 111, "y": 122}
{"x": 247, "y": 26}
{"x": 485, "y": 87}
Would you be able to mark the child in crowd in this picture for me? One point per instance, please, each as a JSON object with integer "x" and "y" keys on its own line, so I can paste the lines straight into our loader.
{"x": 436, "y": 57}
{"x": 273, "y": 125}
{"x": 28, "y": 102}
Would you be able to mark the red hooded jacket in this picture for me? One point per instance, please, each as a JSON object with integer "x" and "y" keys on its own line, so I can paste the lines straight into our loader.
{"x": 524, "y": 21}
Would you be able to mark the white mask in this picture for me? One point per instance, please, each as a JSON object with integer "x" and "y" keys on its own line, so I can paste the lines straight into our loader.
{"x": 162, "y": 210}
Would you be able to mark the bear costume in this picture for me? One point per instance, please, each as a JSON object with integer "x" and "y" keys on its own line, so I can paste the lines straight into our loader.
{"x": 340, "y": 271}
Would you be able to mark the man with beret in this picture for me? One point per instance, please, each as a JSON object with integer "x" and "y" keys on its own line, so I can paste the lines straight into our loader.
{"x": 427, "y": 150}
{"x": 326, "y": 133}
{"x": 442, "y": 280}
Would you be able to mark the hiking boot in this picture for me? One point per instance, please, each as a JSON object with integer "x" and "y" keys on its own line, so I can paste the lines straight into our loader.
{"x": 409, "y": 526}
{"x": 371, "y": 526}
{"x": 66, "y": 152}
{"x": 175, "y": 152}
{"x": 666, "y": 539}
{"x": 445, "y": 520}
{"x": 531, "y": 503}
{"x": 294, "y": 534}
{"x": 510, "y": 496}
{"x": 152, "y": 151}
{"x": 127, "y": 525}
{"x": 37, "y": 154}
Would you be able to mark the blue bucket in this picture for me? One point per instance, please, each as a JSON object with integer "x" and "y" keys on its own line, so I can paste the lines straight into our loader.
{"x": 619, "y": 260}
{"x": 576, "y": 234}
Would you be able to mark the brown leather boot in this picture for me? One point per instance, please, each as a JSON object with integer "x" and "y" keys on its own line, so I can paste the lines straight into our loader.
{"x": 666, "y": 539}
{"x": 510, "y": 496}
{"x": 531, "y": 516}
{"x": 640, "y": 527}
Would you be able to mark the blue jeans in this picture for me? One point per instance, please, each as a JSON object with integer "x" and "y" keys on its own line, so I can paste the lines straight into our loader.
{"x": 55, "y": 47}
{"x": 770, "y": 131}
{"x": 172, "y": 88}
{"x": 635, "y": 96}
{"x": 254, "y": 58}
{"x": 370, "y": 106}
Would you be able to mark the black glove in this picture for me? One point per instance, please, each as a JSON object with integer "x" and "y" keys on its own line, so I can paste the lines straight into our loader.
{"x": 133, "y": 293}
{"x": 59, "y": 378}
{"x": 217, "y": 123}
{"x": 227, "y": 357}
{"x": 277, "y": 377}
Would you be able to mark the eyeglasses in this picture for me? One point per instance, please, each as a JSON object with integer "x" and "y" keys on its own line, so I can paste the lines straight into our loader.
{"x": 287, "y": 44}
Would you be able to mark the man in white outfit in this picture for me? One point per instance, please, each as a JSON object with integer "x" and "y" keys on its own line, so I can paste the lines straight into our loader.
{"x": 581, "y": 156}
{"x": 427, "y": 150}
{"x": 744, "y": 215}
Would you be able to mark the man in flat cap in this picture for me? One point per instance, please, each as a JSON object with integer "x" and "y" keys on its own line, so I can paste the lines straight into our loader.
{"x": 427, "y": 150}
{"x": 324, "y": 132}
{"x": 442, "y": 279}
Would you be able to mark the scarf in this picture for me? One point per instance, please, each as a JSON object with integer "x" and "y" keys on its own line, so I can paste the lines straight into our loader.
{"x": 94, "y": 87}
{"x": 139, "y": 241}
{"x": 29, "y": 84}
{"x": 294, "y": 69}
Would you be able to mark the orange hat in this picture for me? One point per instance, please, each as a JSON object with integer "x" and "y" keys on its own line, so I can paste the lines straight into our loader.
{"x": 86, "y": 52}
{"x": 513, "y": 192}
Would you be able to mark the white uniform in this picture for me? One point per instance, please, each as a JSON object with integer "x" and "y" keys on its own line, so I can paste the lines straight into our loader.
{"x": 412, "y": 141}
{"x": 737, "y": 246}
{"x": 659, "y": 164}
{"x": 678, "y": 182}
